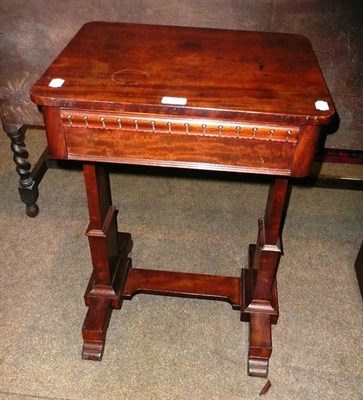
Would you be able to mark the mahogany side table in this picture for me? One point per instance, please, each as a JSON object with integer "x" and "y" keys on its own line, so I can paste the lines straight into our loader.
{"x": 248, "y": 102}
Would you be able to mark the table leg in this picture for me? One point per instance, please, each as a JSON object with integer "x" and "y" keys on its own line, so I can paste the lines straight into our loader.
{"x": 109, "y": 250}
{"x": 259, "y": 298}
{"x": 28, "y": 187}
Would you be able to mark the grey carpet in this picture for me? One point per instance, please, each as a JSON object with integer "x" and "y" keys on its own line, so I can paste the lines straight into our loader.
{"x": 172, "y": 348}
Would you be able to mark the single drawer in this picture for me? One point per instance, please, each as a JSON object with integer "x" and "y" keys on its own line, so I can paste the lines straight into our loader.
{"x": 179, "y": 142}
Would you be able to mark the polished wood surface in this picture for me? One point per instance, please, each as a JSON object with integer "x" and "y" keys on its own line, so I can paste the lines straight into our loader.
{"x": 111, "y": 66}
{"x": 248, "y": 105}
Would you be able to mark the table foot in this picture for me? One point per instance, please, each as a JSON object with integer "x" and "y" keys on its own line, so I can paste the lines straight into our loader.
{"x": 101, "y": 300}
{"x": 258, "y": 367}
{"x": 95, "y": 327}
{"x": 260, "y": 347}
{"x": 32, "y": 210}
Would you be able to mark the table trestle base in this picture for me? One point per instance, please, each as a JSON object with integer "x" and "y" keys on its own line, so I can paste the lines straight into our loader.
{"x": 114, "y": 280}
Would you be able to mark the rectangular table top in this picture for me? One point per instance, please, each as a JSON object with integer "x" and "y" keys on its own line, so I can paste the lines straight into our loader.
{"x": 237, "y": 75}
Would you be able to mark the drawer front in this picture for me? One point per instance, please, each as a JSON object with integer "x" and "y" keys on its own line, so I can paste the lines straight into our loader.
{"x": 170, "y": 141}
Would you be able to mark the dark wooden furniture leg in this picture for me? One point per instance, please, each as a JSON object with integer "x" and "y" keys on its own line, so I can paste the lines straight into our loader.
{"x": 259, "y": 293}
{"x": 109, "y": 250}
{"x": 28, "y": 187}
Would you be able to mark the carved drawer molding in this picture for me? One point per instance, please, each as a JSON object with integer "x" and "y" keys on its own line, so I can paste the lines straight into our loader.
{"x": 155, "y": 124}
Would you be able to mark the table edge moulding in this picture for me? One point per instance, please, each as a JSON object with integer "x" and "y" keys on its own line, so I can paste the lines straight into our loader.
{"x": 194, "y": 98}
